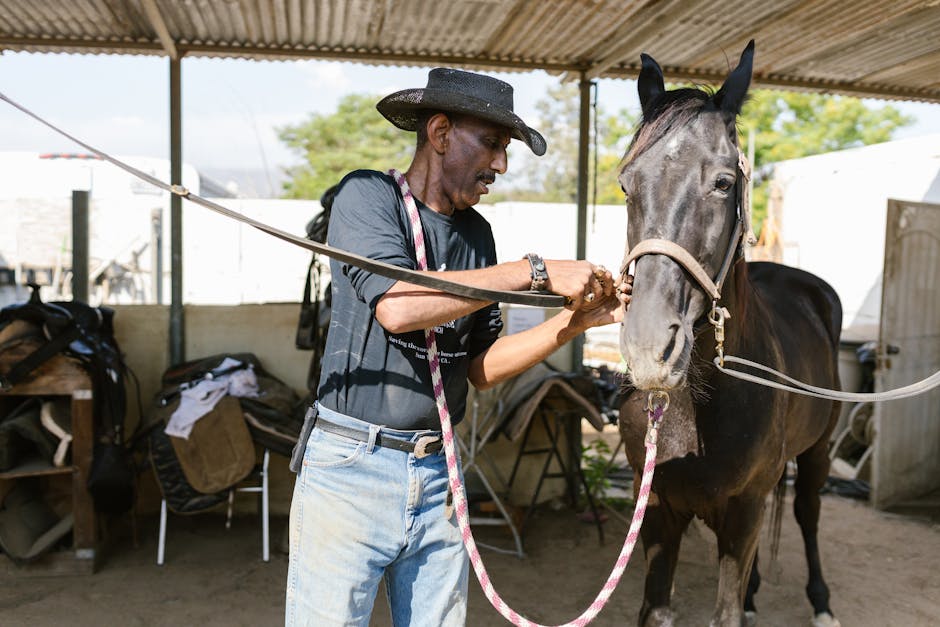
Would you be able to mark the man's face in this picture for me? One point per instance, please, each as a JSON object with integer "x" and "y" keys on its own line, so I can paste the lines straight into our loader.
{"x": 475, "y": 154}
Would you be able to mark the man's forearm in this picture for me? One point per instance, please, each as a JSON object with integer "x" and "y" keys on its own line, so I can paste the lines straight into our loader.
{"x": 406, "y": 307}
{"x": 512, "y": 354}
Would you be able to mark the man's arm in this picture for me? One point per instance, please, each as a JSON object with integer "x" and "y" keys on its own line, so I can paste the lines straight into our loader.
{"x": 406, "y": 307}
{"x": 513, "y": 354}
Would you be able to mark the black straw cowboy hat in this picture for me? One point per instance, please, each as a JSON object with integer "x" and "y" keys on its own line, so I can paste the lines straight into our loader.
{"x": 457, "y": 91}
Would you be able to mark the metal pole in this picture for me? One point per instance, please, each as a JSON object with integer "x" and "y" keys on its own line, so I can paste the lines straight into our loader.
{"x": 177, "y": 351}
{"x": 584, "y": 135}
{"x": 80, "y": 245}
{"x": 156, "y": 255}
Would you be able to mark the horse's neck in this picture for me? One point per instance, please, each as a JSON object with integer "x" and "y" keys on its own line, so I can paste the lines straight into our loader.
{"x": 738, "y": 299}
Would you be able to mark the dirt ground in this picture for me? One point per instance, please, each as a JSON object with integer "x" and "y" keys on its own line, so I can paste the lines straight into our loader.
{"x": 881, "y": 569}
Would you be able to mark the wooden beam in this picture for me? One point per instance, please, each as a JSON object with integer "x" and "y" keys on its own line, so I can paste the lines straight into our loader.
{"x": 159, "y": 25}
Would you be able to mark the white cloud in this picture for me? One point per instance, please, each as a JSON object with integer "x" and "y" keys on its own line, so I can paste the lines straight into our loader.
{"x": 326, "y": 75}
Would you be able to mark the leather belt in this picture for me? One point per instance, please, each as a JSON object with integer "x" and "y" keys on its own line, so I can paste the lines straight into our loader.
{"x": 426, "y": 444}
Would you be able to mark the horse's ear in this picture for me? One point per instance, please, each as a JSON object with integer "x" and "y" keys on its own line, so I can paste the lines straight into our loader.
{"x": 731, "y": 95}
{"x": 650, "y": 83}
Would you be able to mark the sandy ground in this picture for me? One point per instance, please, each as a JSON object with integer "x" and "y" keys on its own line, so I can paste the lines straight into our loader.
{"x": 881, "y": 568}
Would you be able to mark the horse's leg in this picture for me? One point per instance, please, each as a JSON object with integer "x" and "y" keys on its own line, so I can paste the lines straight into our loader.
{"x": 812, "y": 470}
{"x": 662, "y": 534}
{"x": 753, "y": 584}
{"x": 737, "y": 545}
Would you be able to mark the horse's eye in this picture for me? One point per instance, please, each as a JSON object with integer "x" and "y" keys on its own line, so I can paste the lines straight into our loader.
{"x": 724, "y": 182}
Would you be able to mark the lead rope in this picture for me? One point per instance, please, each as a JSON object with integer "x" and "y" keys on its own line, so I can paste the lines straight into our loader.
{"x": 717, "y": 318}
{"x": 656, "y": 406}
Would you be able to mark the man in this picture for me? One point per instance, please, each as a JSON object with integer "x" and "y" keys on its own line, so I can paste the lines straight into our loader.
{"x": 371, "y": 496}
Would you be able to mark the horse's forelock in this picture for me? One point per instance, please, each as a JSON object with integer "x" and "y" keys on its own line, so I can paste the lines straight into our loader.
{"x": 673, "y": 109}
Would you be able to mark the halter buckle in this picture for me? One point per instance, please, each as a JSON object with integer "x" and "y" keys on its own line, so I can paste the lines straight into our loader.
{"x": 657, "y": 399}
{"x": 717, "y": 317}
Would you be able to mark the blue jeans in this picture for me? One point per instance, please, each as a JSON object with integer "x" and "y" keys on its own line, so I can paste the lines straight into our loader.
{"x": 361, "y": 512}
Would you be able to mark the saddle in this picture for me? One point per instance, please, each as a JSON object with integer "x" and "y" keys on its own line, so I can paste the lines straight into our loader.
{"x": 86, "y": 334}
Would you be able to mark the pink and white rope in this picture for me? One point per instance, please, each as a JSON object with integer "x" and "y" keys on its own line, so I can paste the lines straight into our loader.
{"x": 456, "y": 486}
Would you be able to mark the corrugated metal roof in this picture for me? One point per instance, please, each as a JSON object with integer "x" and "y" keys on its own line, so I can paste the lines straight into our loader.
{"x": 859, "y": 47}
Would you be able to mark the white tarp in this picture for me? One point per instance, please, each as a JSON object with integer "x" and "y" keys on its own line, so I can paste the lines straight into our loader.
{"x": 833, "y": 216}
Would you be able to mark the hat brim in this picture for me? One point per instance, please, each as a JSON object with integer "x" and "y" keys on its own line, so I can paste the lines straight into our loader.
{"x": 402, "y": 107}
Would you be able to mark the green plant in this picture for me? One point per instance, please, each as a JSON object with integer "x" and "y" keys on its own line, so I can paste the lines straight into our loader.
{"x": 595, "y": 458}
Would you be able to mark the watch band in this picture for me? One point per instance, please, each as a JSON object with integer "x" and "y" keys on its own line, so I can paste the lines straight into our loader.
{"x": 539, "y": 273}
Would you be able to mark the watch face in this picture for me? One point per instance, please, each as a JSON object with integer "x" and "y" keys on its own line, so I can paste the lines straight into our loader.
{"x": 539, "y": 266}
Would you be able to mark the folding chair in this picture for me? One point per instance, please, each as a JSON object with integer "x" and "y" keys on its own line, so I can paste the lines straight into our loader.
{"x": 509, "y": 409}
{"x": 482, "y": 427}
{"x": 261, "y": 472}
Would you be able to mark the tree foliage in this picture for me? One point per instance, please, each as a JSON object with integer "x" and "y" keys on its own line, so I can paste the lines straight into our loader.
{"x": 784, "y": 125}
{"x": 554, "y": 177}
{"x": 354, "y": 136}
{"x": 790, "y": 125}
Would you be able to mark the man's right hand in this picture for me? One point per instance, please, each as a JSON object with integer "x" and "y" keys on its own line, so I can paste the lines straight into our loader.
{"x": 582, "y": 283}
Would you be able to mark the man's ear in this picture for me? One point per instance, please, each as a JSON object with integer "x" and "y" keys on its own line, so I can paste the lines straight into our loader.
{"x": 439, "y": 126}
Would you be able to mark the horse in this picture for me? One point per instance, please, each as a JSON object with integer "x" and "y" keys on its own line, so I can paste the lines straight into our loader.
{"x": 724, "y": 444}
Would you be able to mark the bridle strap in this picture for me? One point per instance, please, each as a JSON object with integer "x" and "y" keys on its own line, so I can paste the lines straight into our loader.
{"x": 679, "y": 254}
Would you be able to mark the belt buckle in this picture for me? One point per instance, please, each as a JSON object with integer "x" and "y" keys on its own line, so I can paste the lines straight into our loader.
{"x": 421, "y": 446}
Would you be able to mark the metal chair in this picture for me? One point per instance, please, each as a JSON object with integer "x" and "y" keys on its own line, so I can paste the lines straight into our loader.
{"x": 261, "y": 488}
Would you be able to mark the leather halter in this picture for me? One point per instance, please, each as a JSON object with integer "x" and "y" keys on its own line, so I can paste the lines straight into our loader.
{"x": 712, "y": 287}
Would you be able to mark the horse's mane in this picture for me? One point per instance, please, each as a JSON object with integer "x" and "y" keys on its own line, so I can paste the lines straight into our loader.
{"x": 672, "y": 109}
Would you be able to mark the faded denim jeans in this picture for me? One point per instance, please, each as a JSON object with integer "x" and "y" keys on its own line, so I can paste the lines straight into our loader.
{"x": 361, "y": 512}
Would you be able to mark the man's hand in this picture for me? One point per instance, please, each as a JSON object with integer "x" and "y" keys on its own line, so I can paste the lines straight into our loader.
{"x": 625, "y": 290}
{"x": 607, "y": 309}
{"x": 582, "y": 283}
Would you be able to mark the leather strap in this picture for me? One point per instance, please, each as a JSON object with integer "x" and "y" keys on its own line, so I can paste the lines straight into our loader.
{"x": 426, "y": 445}
{"x": 53, "y": 347}
{"x": 680, "y": 255}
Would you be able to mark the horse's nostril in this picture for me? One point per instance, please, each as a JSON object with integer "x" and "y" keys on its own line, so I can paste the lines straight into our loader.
{"x": 671, "y": 346}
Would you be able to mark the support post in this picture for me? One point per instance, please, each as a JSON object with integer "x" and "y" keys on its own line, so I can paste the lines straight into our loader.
{"x": 156, "y": 255}
{"x": 177, "y": 352}
{"x": 80, "y": 202}
{"x": 584, "y": 135}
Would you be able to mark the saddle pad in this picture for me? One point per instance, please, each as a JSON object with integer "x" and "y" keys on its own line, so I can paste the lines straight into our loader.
{"x": 219, "y": 452}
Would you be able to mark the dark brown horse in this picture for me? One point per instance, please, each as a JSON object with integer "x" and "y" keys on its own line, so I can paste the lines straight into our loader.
{"x": 724, "y": 444}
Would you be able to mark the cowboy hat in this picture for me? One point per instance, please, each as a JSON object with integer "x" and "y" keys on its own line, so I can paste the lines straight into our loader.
{"x": 457, "y": 91}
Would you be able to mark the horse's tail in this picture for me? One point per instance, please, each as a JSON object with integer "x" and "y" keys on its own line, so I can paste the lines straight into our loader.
{"x": 776, "y": 516}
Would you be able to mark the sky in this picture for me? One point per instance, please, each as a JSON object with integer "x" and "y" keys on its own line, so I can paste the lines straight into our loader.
{"x": 231, "y": 107}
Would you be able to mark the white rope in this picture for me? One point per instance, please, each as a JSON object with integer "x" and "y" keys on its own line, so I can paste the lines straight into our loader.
{"x": 809, "y": 390}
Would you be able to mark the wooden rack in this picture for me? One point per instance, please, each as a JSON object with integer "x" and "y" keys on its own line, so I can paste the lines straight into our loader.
{"x": 60, "y": 376}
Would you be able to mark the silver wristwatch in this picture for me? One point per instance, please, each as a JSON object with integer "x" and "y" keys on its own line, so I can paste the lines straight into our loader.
{"x": 539, "y": 274}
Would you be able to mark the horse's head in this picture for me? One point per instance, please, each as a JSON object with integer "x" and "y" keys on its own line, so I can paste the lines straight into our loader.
{"x": 683, "y": 184}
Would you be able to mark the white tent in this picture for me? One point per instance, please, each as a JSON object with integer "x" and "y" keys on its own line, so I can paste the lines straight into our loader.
{"x": 832, "y": 217}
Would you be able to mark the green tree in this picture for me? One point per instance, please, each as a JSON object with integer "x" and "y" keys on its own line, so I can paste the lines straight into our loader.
{"x": 554, "y": 177}
{"x": 354, "y": 136}
{"x": 789, "y": 125}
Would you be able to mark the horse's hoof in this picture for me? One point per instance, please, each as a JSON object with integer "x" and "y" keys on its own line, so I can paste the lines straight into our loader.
{"x": 825, "y": 619}
{"x": 660, "y": 617}
{"x": 750, "y": 619}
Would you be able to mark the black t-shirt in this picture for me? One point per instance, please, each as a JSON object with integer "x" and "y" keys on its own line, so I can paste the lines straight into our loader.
{"x": 381, "y": 377}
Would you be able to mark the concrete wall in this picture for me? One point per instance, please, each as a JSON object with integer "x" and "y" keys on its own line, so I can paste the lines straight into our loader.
{"x": 265, "y": 330}
{"x": 268, "y": 332}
